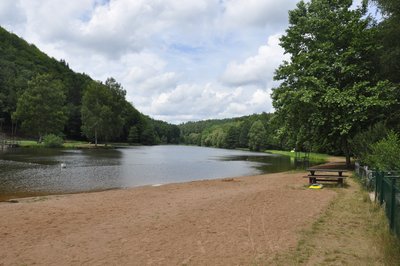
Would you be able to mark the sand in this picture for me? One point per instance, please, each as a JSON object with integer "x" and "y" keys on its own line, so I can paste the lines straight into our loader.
{"x": 239, "y": 221}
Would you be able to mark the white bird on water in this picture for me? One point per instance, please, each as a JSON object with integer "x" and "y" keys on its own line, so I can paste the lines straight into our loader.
{"x": 63, "y": 165}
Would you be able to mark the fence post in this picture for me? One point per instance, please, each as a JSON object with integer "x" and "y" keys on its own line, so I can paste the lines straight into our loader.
{"x": 381, "y": 176}
{"x": 393, "y": 203}
{"x": 375, "y": 174}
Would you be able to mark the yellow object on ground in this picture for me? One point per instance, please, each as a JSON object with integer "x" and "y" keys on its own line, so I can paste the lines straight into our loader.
{"x": 316, "y": 186}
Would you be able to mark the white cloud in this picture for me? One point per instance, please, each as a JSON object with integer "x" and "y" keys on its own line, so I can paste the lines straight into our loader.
{"x": 256, "y": 69}
{"x": 178, "y": 60}
{"x": 258, "y": 13}
{"x": 11, "y": 14}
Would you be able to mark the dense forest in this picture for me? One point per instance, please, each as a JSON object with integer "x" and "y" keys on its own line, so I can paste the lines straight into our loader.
{"x": 255, "y": 132}
{"x": 40, "y": 95}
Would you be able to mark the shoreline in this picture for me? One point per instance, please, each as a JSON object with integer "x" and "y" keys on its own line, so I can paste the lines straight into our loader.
{"x": 220, "y": 221}
{"x": 16, "y": 198}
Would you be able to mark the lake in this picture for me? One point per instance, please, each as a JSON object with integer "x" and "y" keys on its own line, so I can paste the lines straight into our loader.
{"x": 32, "y": 172}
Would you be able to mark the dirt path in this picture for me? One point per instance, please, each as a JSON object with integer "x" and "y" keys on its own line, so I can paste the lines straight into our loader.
{"x": 233, "y": 222}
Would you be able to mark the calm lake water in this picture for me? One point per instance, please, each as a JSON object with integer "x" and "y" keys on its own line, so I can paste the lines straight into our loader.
{"x": 32, "y": 172}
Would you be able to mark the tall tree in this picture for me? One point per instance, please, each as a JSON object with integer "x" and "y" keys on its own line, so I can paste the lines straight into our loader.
{"x": 133, "y": 136}
{"x": 101, "y": 113}
{"x": 257, "y": 136}
{"x": 232, "y": 137}
{"x": 40, "y": 109}
{"x": 328, "y": 90}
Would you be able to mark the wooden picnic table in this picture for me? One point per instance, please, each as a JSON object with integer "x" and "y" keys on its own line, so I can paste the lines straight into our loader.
{"x": 313, "y": 177}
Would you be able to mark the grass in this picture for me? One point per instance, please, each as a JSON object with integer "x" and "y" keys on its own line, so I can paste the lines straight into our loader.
{"x": 29, "y": 144}
{"x": 71, "y": 144}
{"x": 68, "y": 144}
{"x": 315, "y": 157}
{"x": 352, "y": 231}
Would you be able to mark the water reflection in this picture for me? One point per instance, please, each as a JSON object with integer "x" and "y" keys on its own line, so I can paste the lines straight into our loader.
{"x": 26, "y": 172}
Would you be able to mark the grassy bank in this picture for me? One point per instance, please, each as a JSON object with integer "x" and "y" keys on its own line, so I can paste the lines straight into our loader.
{"x": 315, "y": 157}
{"x": 69, "y": 144}
{"x": 352, "y": 231}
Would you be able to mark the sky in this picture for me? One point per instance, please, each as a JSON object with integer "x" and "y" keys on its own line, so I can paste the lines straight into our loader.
{"x": 178, "y": 60}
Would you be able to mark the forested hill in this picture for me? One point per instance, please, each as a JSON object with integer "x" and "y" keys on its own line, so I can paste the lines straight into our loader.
{"x": 26, "y": 71}
{"x": 256, "y": 132}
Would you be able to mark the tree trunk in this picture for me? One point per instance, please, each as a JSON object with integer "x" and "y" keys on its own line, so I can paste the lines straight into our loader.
{"x": 347, "y": 153}
{"x": 95, "y": 138}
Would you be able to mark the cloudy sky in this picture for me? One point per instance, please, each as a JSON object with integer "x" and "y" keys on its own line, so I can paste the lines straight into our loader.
{"x": 178, "y": 60}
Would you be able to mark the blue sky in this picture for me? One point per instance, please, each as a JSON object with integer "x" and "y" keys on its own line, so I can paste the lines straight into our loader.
{"x": 178, "y": 60}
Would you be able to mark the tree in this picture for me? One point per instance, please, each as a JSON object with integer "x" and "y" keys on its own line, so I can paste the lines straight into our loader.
{"x": 385, "y": 154}
{"x": 232, "y": 137}
{"x": 148, "y": 136}
{"x": 388, "y": 39}
{"x": 133, "y": 135}
{"x": 244, "y": 134}
{"x": 40, "y": 109}
{"x": 101, "y": 112}
{"x": 329, "y": 90}
{"x": 257, "y": 135}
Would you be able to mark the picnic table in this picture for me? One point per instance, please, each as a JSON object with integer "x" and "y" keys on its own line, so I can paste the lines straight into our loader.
{"x": 326, "y": 174}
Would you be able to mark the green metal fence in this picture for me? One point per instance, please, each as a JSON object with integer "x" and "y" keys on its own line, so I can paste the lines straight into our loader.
{"x": 387, "y": 193}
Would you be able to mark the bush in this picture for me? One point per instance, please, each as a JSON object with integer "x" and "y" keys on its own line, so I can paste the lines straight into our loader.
{"x": 53, "y": 141}
{"x": 385, "y": 154}
{"x": 360, "y": 143}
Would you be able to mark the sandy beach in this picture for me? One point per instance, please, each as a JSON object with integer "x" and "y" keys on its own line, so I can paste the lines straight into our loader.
{"x": 236, "y": 221}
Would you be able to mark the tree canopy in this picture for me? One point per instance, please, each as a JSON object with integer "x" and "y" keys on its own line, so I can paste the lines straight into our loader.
{"x": 40, "y": 109}
{"x": 329, "y": 88}
{"x": 232, "y": 133}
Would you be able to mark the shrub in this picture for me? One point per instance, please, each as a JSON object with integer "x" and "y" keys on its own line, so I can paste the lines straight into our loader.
{"x": 361, "y": 142}
{"x": 385, "y": 154}
{"x": 52, "y": 141}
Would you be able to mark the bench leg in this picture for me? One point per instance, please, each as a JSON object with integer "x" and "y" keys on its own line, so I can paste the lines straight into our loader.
{"x": 340, "y": 181}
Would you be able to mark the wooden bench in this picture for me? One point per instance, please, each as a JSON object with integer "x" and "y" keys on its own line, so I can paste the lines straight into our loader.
{"x": 327, "y": 170}
{"x": 313, "y": 178}
{"x": 326, "y": 178}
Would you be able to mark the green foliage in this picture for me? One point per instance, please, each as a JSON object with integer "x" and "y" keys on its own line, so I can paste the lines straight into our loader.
{"x": 385, "y": 154}
{"x": 226, "y": 133}
{"x": 21, "y": 62}
{"x": 52, "y": 141}
{"x": 40, "y": 109}
{"x": 361, "y": 143}
{"x": 101, "y": 112}
{"x": 257, "y": 136}
{"x": 244, "y": 134}
{"x": 133, "y": 135}
{"x": 232, "y": 137}
{"x": 148, "y": 136}
{"x": 328, "y": 90}
{"x": 215, "y": 137}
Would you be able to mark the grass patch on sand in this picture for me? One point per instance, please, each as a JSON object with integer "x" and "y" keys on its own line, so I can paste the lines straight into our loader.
{"x": 352, "y": 231}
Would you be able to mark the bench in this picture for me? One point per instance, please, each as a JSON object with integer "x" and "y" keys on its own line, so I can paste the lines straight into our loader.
{"x": 328, "y": 170}
{"x": 313, "y": 178}
{"x": 326, "y": 178}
